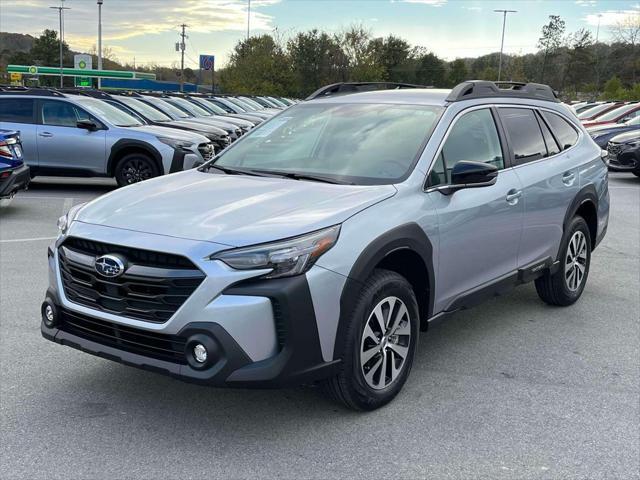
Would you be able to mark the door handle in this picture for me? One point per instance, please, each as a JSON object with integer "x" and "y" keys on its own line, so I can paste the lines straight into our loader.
{"x": 568, "y": 178}
{"x": 46, "y": 134}
{"x": 513, "y": 196}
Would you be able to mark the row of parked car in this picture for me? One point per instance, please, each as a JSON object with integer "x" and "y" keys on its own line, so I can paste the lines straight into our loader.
{"x": 615, "y": 127}
{"x": 130, "y": 136}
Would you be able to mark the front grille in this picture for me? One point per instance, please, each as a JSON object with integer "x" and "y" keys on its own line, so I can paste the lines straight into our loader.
{"x": 170, "y": 348}
{"x": 614, "y": 149}
{"x": 207, "y": 151}
{"x": 152, "y": 288}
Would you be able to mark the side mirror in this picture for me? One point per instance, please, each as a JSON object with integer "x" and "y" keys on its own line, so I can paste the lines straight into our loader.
{"x": 466, "y": 174}
{"x": 87, "y": 125}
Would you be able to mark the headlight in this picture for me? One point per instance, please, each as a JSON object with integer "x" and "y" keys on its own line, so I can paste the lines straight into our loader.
{"x": 285, "y": 258}
{"x": 634, "y": 144}
{"x": 64, "y": 222}
{"x": 177, "y": 144}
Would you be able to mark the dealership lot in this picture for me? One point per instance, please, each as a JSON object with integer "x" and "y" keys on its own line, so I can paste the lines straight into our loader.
{"x": 510, "y": 389}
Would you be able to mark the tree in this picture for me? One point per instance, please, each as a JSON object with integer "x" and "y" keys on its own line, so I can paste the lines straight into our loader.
{"x": 627, "y": 31}
{"x": 580, "y": 61}
{"x": 46, "y": 49}
{"x": 430, "y": 70}
{"x": 550, "y": 40}
{"x": 393, "y": 55}
{"x": 458, "y": 72}
{"x": 356, "y": 44}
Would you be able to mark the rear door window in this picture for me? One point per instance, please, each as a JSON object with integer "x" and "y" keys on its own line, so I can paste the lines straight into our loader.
{"x": 563, "y": 131}
{"x": 16, "y": 110}
{"x": 524, "y": 134}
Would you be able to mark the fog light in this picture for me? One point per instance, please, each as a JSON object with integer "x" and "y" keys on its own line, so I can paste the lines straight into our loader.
{"x": 49, "y": 314}
{"x": 200, "y": 353}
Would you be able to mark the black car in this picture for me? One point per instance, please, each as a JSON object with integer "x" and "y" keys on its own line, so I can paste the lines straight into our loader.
{"x": 14, "y": 174}
{"x": 601, "y": 134}
{"x": 624, "y": 153}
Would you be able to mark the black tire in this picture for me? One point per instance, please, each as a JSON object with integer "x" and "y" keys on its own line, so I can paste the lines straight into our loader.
{"x": 556, "y": 289}
{"x": 636, "y": 172}
{"x": 134, "y": 168}
{"x": 349, "y": 386}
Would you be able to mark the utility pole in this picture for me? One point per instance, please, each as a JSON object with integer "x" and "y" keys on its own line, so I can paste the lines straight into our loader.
{"x": 99, "y": 40}
{"x": 504, "y": 22}
{"x": 249, "y": 20}
{"x": 598, "y": 56}
{"x": 182, "y": 47}
{"x": 60, "y": 9}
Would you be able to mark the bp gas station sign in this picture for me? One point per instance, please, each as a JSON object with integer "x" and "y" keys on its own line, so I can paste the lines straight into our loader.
{"x": 83, "y": 62}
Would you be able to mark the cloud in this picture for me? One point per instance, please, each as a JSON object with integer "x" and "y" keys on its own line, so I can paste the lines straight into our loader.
{"x": 124, "y": 19}
{"x": 611, "y": 17}
{"x": 586, "y": 3}
{"x": 431, "y": 3}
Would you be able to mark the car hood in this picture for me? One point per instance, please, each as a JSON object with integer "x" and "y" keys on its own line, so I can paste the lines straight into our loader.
{"x": 233, "y": 210}
{"x": 626, "y": 137}
{"x": 198, "y": 127}
{"x": 172, "y": 133}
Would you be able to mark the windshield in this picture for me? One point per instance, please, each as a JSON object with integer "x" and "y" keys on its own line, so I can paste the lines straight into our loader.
{"x": 167, "y": 108}
{"x": 109, "y": 113}
{"x": 193, "y": 109}
{"x": 240, "y": 104}
{"x": 593, "y": 111}
{"x": 350, "y": 143}
{"x": 252, "y": 103}
{"x": 231, "y": 106}
{"x": 209, "y": 106}
{"x": 145, "y": 110}
{"x": 634, "y": 121}
{"x": 617, "y": 113}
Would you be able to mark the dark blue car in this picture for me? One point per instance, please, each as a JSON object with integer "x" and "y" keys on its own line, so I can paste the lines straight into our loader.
{"x": 603, "y": 133}
{"x": 14, "y": 174}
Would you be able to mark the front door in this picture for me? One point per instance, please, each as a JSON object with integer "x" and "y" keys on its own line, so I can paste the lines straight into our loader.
{"x": 479, "y": 228}
{"x": 62, "y": 146}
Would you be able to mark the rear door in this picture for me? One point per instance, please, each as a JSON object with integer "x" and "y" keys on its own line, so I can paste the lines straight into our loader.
{"x": 479, "y": 228}
{"x": 62, "y": 146}
{"x": 540, "y": 147}
{"x": 17, "y": 113}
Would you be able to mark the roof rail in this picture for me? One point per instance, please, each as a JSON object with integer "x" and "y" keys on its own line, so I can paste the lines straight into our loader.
{"x": 86, "y": 92}
{"x": 345, "y": 88}
{"x": 40, "y": 92}
{"x": 486, "y": 89}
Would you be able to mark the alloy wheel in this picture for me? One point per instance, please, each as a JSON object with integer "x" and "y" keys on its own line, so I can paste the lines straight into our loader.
{"x": 575, "y": 265}
{"x": 384, "y": 346}
{"x": 136, "y": 170}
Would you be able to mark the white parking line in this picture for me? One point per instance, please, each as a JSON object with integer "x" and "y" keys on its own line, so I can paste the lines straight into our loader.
{"x": 35, "y": 239}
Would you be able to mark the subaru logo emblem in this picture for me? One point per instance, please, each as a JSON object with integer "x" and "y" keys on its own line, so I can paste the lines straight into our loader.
{"x": 110, "y": 266}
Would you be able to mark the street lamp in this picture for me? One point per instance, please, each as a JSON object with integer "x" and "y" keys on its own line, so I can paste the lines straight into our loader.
{"x": 504, "y": 21}
{"x": 99, "y": 40}
{"x": 248, "y": 18}
{"x": 61, "y": 9}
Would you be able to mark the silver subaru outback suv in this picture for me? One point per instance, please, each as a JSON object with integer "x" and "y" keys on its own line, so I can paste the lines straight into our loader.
{"x": 317, "y": 247}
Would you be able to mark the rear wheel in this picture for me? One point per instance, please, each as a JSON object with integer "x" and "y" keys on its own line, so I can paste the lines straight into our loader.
{"x": 565, "y": 286}
{"x": 134, "y": 168}
{"x": 380, "y": 343}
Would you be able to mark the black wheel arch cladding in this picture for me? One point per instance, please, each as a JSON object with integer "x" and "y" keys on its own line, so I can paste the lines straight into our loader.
{"x": 584, "y": 200}
{"x": 124, "y": 146}
{"x": 409, "y": 237}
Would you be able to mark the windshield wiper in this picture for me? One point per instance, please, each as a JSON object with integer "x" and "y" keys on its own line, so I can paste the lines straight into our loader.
{"x": 231, "y": 171}
{"x": 303, "y": 176}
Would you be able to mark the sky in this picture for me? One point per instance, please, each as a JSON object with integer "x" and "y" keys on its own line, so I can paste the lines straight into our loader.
{"x": 147, "y": 30}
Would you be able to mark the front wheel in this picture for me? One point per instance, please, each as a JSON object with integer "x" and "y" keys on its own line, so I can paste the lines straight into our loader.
{"x": 379, "y": 345}
{"x": 565, "y": 286}
{"x": 134, "y": 168}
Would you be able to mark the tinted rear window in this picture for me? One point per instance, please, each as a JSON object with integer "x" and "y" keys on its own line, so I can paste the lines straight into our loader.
{"x": 16, "y": 110}
{"x": 564, "y": 132}
{"x": 524, "y": 134}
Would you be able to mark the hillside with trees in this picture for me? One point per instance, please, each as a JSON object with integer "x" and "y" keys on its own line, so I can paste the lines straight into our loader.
{"x": 571, "y": 62}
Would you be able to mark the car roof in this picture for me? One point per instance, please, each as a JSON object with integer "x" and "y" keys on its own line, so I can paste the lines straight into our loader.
{"x": 409, "y": 96}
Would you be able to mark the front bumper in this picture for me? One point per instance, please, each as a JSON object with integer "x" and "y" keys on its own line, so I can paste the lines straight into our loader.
{"x": 18, "y": 180}
{"x": 259, "y": 333}
{"x": 627, "y": 160}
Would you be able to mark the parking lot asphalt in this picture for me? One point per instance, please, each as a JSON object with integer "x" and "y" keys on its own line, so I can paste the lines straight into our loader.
{"x": 510, "y": 389}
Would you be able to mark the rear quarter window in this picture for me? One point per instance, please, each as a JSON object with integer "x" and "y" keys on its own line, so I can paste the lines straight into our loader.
{"x": 16, "y": 110}
{"x": 566, "y": 135}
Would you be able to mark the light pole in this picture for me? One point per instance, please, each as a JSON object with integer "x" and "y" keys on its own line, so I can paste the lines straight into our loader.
{"x": 248, "y": 19}
{"x": 99, "y": 40}
{"x": 504, "y": 22}
{"x": 60, "y": 10}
